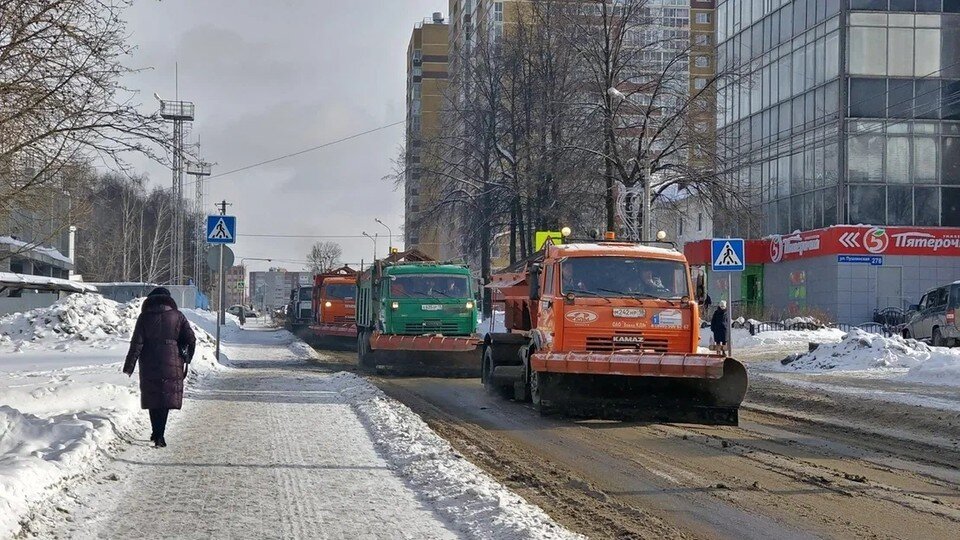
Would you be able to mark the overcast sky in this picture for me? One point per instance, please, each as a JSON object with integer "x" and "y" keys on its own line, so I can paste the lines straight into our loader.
{"x": 273, "y": 77}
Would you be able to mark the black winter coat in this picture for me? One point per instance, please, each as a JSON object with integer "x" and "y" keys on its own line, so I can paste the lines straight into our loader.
{"x": 718, "y": 324}
{"x": 163, "y": 343}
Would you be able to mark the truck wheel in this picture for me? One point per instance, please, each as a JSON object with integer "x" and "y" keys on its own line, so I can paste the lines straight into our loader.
{"x": 937, "y": 339}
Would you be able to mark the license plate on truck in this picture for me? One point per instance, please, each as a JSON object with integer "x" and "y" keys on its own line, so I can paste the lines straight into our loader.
{"x": 431, "y": 307}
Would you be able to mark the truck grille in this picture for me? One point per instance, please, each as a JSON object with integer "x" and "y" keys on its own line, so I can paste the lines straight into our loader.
{"x": 606, "y": 343}
{"x": 431, "y": 327}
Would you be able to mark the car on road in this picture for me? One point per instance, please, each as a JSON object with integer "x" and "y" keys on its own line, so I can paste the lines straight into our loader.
{"x": 247, "y": 312}
{"x": 934, "y": 318}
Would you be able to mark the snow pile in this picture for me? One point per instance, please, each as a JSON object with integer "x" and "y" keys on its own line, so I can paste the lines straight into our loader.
{"x": 863, "y": 351}
{"x": 89, "y": 318}
{"x": 463, "y": 494}
{"x": 806, "y": 321}
{"x": 63, "y": 398}
{"x": 775, "y": 341}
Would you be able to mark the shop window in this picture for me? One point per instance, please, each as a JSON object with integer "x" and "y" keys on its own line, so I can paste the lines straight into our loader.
{"x": 951, "y": 100}
{"x": 950, "y": 207}
{"x": 925, "y": 160}
{"x": 950, "y": 166}
{"x": 868, "y": 98}
{"x": 866, "y": 158}
{"x": 927, "y": 102}
{"x": 902, "y": 5}
{"x": 898, "y": 160}
{"x": 867, "y": 204}
{"x": 796, "y": 213}
{"x": 868, "y": 51}
{"x": 900, "y": 99}
{"x": 830, "y": 207}
{"x": 869, "y": 4}
{"x": 927, "y": 56}
{"x": 950, "y": 46}
{"x": 899, "y": 205}
{"x": 926, "y": 204}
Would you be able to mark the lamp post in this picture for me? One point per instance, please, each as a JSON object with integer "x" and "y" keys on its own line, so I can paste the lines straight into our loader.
{"x": 389, "y": 235}
{"x": 374, "y": 238}
{"x": 243, "y": 295}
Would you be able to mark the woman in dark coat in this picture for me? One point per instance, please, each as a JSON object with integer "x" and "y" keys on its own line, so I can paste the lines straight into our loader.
{"x": 163, "y": 343}
{"x": 718, "y": 325}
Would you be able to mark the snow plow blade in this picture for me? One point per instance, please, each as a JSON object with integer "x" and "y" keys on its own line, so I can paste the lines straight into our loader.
{"x": 425, "y": 356}
{"x": 341, "y": 337}
{"x": 694, "y": 388}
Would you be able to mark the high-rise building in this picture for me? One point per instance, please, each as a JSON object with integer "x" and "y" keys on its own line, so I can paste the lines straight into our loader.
{"x": 271, "y": 290}
{"x": 426, "y": 82}
{"x": 845, "y": 112}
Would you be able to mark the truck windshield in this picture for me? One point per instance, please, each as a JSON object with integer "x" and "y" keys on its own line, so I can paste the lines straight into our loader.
{"x": 341, "y": 291}
{"x": 306, "y": 293}
{"x": 621, "y": 276}
{"x": 429, "y": 286}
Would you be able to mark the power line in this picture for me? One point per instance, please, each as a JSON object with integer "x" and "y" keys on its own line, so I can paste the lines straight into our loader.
{"x": 306, "y": 150}
{"x": 315, "y": 235}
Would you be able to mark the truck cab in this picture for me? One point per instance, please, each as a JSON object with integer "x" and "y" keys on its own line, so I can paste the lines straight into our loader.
{"x": 427, "y": 299}
{"x": 616, "y": 297}
{"x": 337, "y": 300}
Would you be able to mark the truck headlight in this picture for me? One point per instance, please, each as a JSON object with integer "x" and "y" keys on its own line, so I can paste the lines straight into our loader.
{"x": 469, "y": 304}
{"x": 328, "y": 304}
{"x": 395, "y": 305}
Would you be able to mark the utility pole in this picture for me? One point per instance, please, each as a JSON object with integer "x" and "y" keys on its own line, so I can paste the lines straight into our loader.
{"x": 647, "y": 180}
{"x": 222, "y": 285}
{"x": 178, "y": 112}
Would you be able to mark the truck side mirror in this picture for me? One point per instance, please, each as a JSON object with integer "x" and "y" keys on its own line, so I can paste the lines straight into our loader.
{"x": 535, "y": 282}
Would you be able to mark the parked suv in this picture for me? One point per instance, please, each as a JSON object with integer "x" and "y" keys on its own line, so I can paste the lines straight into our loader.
{"x": 934, "y": 319}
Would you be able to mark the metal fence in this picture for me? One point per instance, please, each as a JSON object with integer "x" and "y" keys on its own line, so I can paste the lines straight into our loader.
{"x": 871, "y": 327}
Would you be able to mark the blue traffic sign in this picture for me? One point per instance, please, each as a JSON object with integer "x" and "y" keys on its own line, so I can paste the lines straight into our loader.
{"x": 727, "y": 255}
{"x": 221, "y": 229}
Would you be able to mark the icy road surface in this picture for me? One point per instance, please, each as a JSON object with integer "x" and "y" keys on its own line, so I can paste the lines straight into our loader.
{"x": 278, "y": 449}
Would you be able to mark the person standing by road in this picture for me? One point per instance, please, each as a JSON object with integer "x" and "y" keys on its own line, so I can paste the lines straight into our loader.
{"x": 242, "y": 315}
{"x": 718, "y": 325}
{"x": 163, "y": 343}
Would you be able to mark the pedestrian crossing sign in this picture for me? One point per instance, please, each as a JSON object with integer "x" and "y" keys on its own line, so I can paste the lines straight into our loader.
{"x": 221, "y": 229}
{"x": 727, "y": 255}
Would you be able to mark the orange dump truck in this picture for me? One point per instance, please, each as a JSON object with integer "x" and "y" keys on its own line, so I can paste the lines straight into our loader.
{"x": 334, "y": 306}
{"x": 610, "y": 330}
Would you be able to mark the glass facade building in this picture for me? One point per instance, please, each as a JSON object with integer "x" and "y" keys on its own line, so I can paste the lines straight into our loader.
{"x": 841, "y": 111}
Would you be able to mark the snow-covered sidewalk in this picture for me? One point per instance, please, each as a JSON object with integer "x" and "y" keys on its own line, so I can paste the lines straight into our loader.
{"x": 276, "y": 448}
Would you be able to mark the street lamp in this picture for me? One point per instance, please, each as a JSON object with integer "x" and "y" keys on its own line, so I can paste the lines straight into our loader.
{"x": 243, "y": 293}
{"x": 389, "y": 233}
{"x": 374, "y": 238}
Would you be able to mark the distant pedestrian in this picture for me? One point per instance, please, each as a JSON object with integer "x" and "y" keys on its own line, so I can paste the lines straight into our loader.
{"x": 163, "y": 343}
{"x": 243, "y": 316}
{"x": 718, "y": 325}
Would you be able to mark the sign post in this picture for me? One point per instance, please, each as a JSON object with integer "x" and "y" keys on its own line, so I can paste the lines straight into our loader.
{"x": 728, "y": 255}
{"x": 222, "y": 230}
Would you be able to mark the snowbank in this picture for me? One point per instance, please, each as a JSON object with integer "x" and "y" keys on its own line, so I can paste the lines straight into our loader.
{"x": 63, "y": 398}
{"x": 775, "y": 341}
{"x": 895, "y": 356}
{"x": 462, "y": 493}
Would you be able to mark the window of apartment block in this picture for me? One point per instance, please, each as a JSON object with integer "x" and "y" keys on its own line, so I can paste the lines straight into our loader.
{"x": 498, "y": 11}
{"x": 702, "y": 39}
{"x": 700, "y": 222}
{"x": 703, "y": 18}
{"x": 702, "y": 62}
{"x": 699, "y": 83}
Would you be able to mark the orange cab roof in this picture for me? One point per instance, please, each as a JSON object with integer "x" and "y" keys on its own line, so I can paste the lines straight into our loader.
{"x": 340, "y": 279}
{"x": 614, "y": 249}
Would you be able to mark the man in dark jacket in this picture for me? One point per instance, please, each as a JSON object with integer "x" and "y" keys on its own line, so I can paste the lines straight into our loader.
{"x": 163, "y": 343}
{"x": 718, "y": 325}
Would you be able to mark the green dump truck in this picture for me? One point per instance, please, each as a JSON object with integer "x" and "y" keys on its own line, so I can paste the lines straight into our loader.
{"x": 417, "y": 316}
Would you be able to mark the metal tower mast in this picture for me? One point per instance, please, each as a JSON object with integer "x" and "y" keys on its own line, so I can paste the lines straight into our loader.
{"x": 178, "y": 112}
{"x": 199, "y": 171}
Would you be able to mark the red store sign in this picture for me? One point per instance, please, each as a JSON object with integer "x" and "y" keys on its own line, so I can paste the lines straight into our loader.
{"x": 842, "y": 240}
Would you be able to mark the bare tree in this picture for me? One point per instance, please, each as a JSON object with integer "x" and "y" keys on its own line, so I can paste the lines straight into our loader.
{"x": 62, "y": 102}
{"x": 324, "y": 257}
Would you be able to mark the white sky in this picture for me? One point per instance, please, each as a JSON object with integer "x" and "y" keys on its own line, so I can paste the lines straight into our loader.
{"x": 274, "y": 77}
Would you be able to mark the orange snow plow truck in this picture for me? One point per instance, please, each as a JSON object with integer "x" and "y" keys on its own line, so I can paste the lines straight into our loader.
{"x": 334, "y": 304}
{"x": 608, "y": 329}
